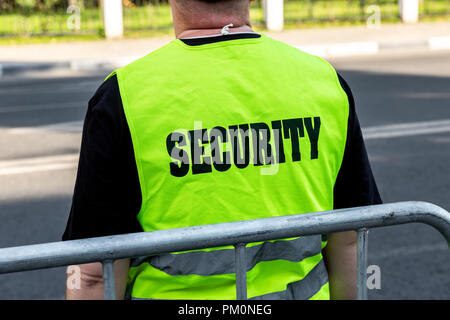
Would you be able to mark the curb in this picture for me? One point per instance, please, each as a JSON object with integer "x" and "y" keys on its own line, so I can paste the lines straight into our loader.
{"x": 329, "y": 50}
{"x": 101, "y": 64}
{"x": 372, "y": 47}
{"x": 14, "y": 68}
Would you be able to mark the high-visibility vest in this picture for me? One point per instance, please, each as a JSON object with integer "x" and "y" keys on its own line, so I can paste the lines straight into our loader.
{"x": 228, "y": 131}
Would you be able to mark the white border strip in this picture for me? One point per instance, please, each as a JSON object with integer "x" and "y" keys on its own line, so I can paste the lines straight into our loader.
{"x": 342, "y": 49}
{"x": 439, "y": 43}
{"x": 359, "y": 48}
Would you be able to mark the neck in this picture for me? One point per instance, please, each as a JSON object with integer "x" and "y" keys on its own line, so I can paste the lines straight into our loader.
{"x": 192, "y": 33}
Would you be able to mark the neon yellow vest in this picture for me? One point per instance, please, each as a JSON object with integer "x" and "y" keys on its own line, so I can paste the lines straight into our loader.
{"x": 227, "y": 131}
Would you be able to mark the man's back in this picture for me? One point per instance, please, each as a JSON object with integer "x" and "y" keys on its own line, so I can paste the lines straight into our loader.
{"x": 216, "y": 127}
{"x": 228, "y": 131}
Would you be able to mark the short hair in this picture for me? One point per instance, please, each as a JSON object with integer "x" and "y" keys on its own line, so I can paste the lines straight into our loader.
{"x": 234, "y": 6}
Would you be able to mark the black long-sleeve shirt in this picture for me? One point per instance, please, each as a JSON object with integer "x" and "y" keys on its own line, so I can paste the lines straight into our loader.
{"x": 107, "y": 195}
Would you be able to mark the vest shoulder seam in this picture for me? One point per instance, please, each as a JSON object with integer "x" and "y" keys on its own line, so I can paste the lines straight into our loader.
{"x": 347, "y": 107}
{"x": 135, "y": 142}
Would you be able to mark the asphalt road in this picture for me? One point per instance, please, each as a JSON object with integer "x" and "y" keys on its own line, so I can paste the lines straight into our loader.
{"x": 40, "y": 117}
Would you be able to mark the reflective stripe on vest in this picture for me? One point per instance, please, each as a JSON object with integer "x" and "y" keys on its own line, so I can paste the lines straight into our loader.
{"x": 313, "y": 287}
{"x": 228, "y": 131}
{"x": 222, "y": 261}
{"x": 206, "y": 263}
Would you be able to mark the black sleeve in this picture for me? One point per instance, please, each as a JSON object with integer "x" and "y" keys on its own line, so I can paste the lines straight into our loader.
{"x": 107, "y": 196}
{"x": 355, "y": 185}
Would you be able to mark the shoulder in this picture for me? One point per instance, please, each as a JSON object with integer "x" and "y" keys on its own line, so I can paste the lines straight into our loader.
{"x": 297, "y": 53}
{"x": 316, "y": 69}
{"x": 105, "y": 109}
{"x": 108, "y": 90}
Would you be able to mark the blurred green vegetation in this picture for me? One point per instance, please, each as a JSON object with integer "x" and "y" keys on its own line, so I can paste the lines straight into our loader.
{"x": 30, "y": 21}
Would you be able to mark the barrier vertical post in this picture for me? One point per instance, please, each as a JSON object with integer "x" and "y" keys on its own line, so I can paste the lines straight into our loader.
{"x": 241, "y": 271}
{"x": 108, "y": 280}
{"x": 361, "y": 261}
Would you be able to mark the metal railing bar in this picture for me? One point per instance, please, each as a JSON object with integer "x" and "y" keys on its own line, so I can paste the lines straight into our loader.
{"x": 241, "y": 271}
{"x": 361, "y": 263}
{"x": 72, "y": 252}
{"x": 109, "y": 287}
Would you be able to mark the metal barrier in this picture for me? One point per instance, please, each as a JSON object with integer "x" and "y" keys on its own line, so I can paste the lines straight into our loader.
{"x": 240, "y": 233}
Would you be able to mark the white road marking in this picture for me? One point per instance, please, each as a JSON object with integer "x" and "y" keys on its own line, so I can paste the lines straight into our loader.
{"x": 406, "y": 129}
{"x": 71, "y": 126}
{"x": 38, "y": 164}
